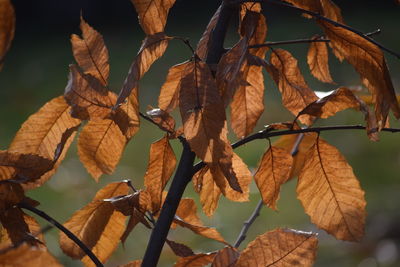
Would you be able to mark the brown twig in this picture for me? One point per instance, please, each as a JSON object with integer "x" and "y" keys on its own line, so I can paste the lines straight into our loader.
{"x": 67, "y": 232}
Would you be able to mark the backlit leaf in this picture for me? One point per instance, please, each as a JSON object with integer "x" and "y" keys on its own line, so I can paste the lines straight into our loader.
{"x": 204, "y": 120}
{"x": 208, "y": 190}
{"x": 368, "y": 60}
{"x": 296, "y": 94}
{"x": 331, "y": 194}
{"x": 179, "y": 249}
{"x": 161, "y": 166}
{"x": 135, "y": 218}
{"x": 204, "y": 43}
{"x": 136, "y": 263}
{"x": 97, "y": 224}
{"x": 197, "y": 260}
{"x": 87, "y": 96}
{"x": 325, "y": 8}
{"x": 91, "y": 53}
{"x": 274, "y": 170}
{"x": 226, "y": 257}
{"x": 153, "y": 47}
{"x": 10, "y": 195}
{"x": 280, "y": 247}
{"x": 42, "y": 132}
{"x": 7, "y": 28}
{"x": 164, "y": 121}
{"x": 100, "y": 146}
{"x": 126, "y": 116}
{"x": 153, "y": 14}
{"x": 317, "y": 59}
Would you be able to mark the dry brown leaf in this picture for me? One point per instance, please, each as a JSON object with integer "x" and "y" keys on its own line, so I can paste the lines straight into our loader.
{"x": 28, "y": 256}
{"x": 197, "y": 260}
{"x": 136, "y": 263}
{"x": 179, "y": 249}
{"x": 164, "y": 121}
{"x": 368, "y": 60}
{"x": 208, "y": 190}
{"x": 204, "y": 120}
{"x": 280, "y": 247}
{"x": 331, "y": 194}
{"x": 126, "y": 116}
{"x": 186, "y": 216}
{"x": 87, "y": 96}
{"x": 226, "y": 257}
{"x": 7, "y": 28}
{"x": 153, "y": 47}
{"x": 91, "y": 53}
{"x": 42, "y": 132}
{"x": 341, "y": 99}
{"x": 134, "y": 219}
{"x": 97, "y": 225}
{"x": 21, "y": 167}
{"x": 10, "y": 195}
{"x": 153, "y": 14}
{"x": 325, "y": 8}
{"x": 273, "y": 171}
{"x": 161, "y": 166}
{"x": 204, "y": 44}
{"x": 288, "y": 141}
{"x": 168, "y": 99}
{"x": 317, "y": 59}
{"x": 100, "y": 147}
{"x": 296, "y": 94}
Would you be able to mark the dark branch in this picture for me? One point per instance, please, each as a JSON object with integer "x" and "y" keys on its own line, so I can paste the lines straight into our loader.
{"x": 247, "y": 224}
{"x": 67, "y": 232}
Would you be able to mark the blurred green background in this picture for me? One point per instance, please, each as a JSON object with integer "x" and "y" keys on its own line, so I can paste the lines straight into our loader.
{"x": 36, "y": 70}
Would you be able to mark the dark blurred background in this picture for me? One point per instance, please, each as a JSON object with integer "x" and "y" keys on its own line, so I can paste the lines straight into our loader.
{"x": 36, "y": 69}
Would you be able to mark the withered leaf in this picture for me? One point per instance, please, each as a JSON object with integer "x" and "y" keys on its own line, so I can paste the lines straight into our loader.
{"x": 135, "y": 218}
{"x": 208, "y": 190}
{"x": 91, "y": 53}
{"x": 325, "y": 8}
{"x": 126, "y": 116}
{"x": 153, "y": 14}
{"x": 226, "y": 257}
{"x": 153, "y": 47}
{"x": 341, "y": 99}
{"x": 136, "y": 263}
{"x": 273, "y": 171}
{"x": 368, "y": 60}
{"x": 296, "y": 94}
{"x": 28, "y": 256}
{"x": 186, "y": 216}
{"x": 197, "y": 260}
{"x": 169, "y": 93}
{"x": 161, "y": 166}
{"x": 43, "y": 131}
{"x": 87, "y": 96}
{"x": 164, "y": 121}
{"x": 317, "y": 59}
{"x": 280, "y": 247}
{"x": 331, "y": 194}
{"x": 97, "y": 224}
{"x": 10, "y": 195}
{"x": 126, "y": 204}
{"x": 7, "y": 28}
{"x": 22, "y": 167}
{"x": 179, "y": 249}
{"x": 204, "y": 120}
{"x": 100, "y": 146}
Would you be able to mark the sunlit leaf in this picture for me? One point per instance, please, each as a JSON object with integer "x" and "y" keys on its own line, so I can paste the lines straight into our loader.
{"x": 91, "y": 53}
{"x": 325, "y": 8}
{"x": 97, "y": 225}
{"x": 331, "y": 194}
{"x": 226, "y": 257}
{"x": 136, "y": 263}
{"x": 203, "y": 45}
{"x": 208, "y": 190}
{"x": 153, "y": 14}
{"x": 274, "y": 170}
{"x": 281, "y": 247}
{"x": 163, "y": 119}
{"x": 317, "y": 59}
{"x": 7, "y": 28}
{"x": 197, "y": 260}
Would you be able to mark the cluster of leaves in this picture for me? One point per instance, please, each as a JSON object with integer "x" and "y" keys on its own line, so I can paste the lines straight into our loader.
{"x": 202, "y": 90}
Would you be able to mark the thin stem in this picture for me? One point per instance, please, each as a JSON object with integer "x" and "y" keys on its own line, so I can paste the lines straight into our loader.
{"x": 247, "y": 224}
{"x": 67, "y": 232}
{"x": 186, "y": 41}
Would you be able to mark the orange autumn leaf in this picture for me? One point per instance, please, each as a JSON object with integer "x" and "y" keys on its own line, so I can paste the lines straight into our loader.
{"x": 179, "y": 249}
{"x": 153, "y": 14}
{"x": 7, "y": 28}
{"x": 91, "y": 53}
{"x": 161, "y": 166}
{"x": 153, "y": 47}
{"x": 326, "y": 8}
{"x": 274, "y": 171}
{"x": 208, "y": 190}
{"x": 280, "y": 247}
{"x": 226, "y": 257}
{"x": 331, "y": 194}
{"x": 368, "y": 60}
{"x": 27, "y": 256}
{"x": 136, "y": 263}
{"x": 204, "y": 43}
{"x": 317, "y": 59}
{"x": 97, "y": 224}
{"x": 296, "y": 94}
{"x": 87, "y": 96}
{"x": 43, "y": 131}
{"x": 126, "y": 117}
{"x": 204, "y": 121}
{"x": 197, "y": 260}
{"x": 163, "y": 119}
{"x": 168, "y": 98}
{"x": 100, "y": 147}
{"x": 186, "y": 216}
{"x": 10, "y": 195}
